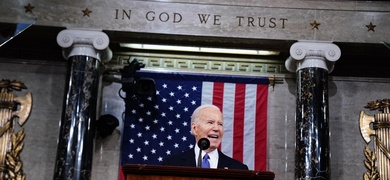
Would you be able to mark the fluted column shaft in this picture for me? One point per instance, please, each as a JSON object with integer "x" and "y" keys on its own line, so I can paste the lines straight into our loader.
{"x": 312, "y": 61}
{"x": 83, "y": 49}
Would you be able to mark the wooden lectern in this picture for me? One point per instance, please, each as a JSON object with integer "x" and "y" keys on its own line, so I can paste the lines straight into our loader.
{"x": 154, "y": 172}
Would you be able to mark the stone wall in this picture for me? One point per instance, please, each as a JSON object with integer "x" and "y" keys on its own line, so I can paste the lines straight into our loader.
{"x": 341, "y": 21}
{"x": 347, "y": 97}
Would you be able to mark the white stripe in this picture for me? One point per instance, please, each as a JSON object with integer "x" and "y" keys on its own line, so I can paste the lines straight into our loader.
{"x": 228, "y": 117}
{"x": 207, "y": 93}
{"x": 249, "y": 125}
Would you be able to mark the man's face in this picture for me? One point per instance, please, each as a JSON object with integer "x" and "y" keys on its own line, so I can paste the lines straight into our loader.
{"x": 210, "y": 126}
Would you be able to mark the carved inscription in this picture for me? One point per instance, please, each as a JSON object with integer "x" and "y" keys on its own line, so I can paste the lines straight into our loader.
{"x": 205, "y": 19}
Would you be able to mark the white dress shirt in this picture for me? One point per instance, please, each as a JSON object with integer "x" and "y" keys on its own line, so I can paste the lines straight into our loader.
{"x": 213, "y": 157}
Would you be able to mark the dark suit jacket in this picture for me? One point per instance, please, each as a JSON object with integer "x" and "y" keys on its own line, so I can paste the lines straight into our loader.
{"x": 187, "y": 158}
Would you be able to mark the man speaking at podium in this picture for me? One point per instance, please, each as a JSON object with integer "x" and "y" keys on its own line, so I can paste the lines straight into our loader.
{"x": 207, "y": 127}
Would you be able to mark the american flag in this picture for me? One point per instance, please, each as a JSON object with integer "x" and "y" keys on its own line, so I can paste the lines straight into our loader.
{"x": 156, "y": 127}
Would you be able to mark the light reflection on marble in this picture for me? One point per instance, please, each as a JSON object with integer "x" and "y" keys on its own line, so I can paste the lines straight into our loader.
{"x": 312, "y": 127}
{"x": 78, "y": 123}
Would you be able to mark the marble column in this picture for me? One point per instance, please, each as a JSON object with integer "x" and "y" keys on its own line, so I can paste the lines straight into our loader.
{"x": 312, "y": 61}
{"x": 84, "y": 50}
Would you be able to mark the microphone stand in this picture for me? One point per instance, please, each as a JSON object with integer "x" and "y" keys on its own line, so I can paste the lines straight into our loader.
{"x": 203, "y": 144}
{"x": 200, "y": 158}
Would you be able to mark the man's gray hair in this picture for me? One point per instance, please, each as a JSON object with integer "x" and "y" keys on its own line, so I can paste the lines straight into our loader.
{"x": 196, "y": 114}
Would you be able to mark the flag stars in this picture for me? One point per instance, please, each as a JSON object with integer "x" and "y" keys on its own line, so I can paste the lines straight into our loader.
{"x": 140, "y": 120}
{"x": 130, "y": 156}
{"x": 184, "y": 138}
{"x": 153, "y": 151}
{"x": 139, "y": 134}
{"x": 191, "y": 146}
{"x": 164, "y": 100}
{"x": 157, "y": 92}
{"x": 171, "y": 94}
{"x": 194, "y": 88}
{"x": 155, "y": 121}
{"x": 132, "y": 126}
{"x": 170, "y": 123}
{"x": 142, "y": 105}
{"x": 165, "y": 86}
{"x": 131, "y": 141}
{"x": 163, "y": 114}
{"x": 161, "y": 144}
{"x": 193, "y": 102}
{"x": 185, "y": 124}
{"x": 148, "y": 113}
{"x": 179, "y": 87}
{"x": 168, "y": 152}
{"x": 186, "y": 95}
{"x": 169, "y": 137}
{"x": 177, "y": 131}
{"x": 149, "y": 98}
{"x": 145, "y": 158}
{"x": 178, "y": 101}
{"x": 176, "y": 145}
{"x": 170, "y": 108}
{"x": 177, "y": 116}
{"x": 146, "y": 143}
{"x": 160, "y": 159}
{"x": 154, "y": 136}
{"x": 138, "y": 149}
{"x": 147, "y": 128}
{"x": 185, "y": 109}
{"x": 162, "y": 129}
{"x": 133, "y": 111}
{"x": 156, "y": 107}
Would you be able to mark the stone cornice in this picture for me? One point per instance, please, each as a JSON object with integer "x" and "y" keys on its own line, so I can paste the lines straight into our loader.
{"x": 338, "y": 21}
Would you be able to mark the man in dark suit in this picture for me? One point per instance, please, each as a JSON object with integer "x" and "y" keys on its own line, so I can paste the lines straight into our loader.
{"x": 206, "y": 122}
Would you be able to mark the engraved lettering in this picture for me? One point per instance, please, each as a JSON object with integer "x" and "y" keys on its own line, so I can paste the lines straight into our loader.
{"x": 261, "y": 25}
{"x": 216, "y": 19}
{"x": 283, "y": 19}
{"x": 203, "y": 18}
{"x": 177, "y": 17}
{"x": 150, "y": 18}
{"x": 124, "y": 14}
{"x": 250, "y": 21}
{"x": 272, "y": 23}
{"x": 164, "y": 17}
{"x": 239, "y": 20}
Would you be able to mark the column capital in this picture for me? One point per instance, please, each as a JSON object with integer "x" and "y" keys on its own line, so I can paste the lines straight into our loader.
{"x": 321, "y": 54}
{"x": 86, "y": 42}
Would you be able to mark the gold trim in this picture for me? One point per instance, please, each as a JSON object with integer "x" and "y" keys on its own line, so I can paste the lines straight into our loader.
{"x": 372, "y": 173}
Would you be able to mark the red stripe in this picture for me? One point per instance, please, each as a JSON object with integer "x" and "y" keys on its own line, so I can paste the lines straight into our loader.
{"x": 261, "y": 128}
{"x": 218, "y": 94}
{"x": 218, "y": 97}
{"x": 238, "y": 127}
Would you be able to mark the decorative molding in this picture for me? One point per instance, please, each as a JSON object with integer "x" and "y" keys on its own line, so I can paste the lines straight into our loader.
{"x": 314, "y": 25}
{"x": 92, "y": 43}
{"x": 29, "y": 8}
{"x": 86, "y": 12}
{"x": 319, "y": 54}
{"x": 371, "y": 27}
{"x": 198, "y": 64}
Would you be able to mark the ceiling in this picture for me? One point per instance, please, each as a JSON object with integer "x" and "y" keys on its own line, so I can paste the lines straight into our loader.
{"x": 39, "y": 43}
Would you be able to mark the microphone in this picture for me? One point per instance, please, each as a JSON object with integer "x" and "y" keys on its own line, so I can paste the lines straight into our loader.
{"x": 203, "y": 144}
